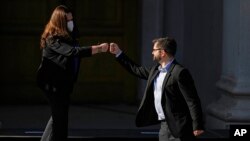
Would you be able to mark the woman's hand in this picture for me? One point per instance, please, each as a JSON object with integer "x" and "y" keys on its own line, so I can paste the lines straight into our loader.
{"x": 100, "y": 48}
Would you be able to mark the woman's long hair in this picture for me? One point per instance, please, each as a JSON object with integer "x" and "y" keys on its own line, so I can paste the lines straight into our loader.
{"x": 57, "y": 25}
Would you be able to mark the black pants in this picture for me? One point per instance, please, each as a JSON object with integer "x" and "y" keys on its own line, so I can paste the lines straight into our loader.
{"x": 57, "y": 126}
{"x": 166, "y": 135}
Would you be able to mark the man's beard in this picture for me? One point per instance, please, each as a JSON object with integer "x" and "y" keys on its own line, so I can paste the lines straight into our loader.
{"x": 157, "y": 58}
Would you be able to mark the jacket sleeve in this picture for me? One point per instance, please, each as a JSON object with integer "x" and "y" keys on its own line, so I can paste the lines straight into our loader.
{"x": 133, "y": 68}
{"x": 188, "y": 90}
{"x": 68, "y": 50}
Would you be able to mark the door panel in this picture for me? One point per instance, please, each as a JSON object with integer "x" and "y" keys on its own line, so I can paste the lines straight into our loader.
{"x": 101, "y": 78}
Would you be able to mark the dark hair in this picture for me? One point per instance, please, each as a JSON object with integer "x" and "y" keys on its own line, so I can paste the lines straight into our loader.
{"x": 168, "y": 44}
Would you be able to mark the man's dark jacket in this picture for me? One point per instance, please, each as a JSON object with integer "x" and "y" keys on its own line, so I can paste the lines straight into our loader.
{"x": 180, "y": 101}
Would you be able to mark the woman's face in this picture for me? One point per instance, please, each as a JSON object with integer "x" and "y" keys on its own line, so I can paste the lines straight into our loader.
{"x": 70, "y": 24}
{"x": 69, "y": 16}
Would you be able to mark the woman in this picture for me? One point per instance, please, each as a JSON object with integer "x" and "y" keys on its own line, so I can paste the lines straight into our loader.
{"x": 59, "y": 68}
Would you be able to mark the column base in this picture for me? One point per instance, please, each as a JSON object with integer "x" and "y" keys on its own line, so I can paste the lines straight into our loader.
{"x": 228, "y": 110}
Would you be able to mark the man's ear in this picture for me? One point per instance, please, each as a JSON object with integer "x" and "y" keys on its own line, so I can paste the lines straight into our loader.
{"x": 163, "y": 53}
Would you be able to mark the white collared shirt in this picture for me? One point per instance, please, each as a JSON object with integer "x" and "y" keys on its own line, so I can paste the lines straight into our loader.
{"x": 158, "y": 82}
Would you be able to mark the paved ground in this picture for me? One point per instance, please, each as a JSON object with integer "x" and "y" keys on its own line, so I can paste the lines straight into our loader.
{"x": 80, "y": 117}
{"x": 85, "y": 120}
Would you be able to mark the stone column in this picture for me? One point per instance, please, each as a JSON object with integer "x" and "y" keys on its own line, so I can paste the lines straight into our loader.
{"x": 233, "y": 106}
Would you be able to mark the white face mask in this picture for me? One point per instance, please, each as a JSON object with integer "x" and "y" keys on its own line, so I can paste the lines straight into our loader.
{"x": 70, "y": 25}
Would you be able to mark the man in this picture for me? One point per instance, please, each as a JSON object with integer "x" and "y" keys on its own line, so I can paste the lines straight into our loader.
{"x": 170, "y": 97}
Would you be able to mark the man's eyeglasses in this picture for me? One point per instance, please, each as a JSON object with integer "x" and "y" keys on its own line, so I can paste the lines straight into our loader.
{"x": 154, "y": 49}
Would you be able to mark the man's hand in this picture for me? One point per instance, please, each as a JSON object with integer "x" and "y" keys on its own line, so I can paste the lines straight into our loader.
{"x": 114, "y": 48}
{"x": 198, "y": 132}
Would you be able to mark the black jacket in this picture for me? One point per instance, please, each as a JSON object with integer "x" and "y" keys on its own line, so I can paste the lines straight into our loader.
{"x": 180, "y": 101}
{"x": 59, "y": 65}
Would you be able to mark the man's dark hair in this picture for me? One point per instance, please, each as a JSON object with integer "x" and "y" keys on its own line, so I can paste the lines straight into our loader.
{"x": 168, "y": 44}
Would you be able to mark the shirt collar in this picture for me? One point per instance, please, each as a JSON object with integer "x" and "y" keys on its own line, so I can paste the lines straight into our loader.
{"x": 165, "y": 68}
